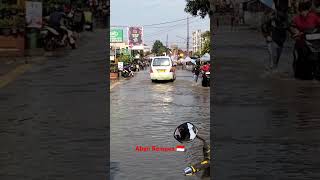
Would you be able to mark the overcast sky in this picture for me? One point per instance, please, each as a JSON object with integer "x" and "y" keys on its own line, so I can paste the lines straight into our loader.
{"x": 145, "y": 12}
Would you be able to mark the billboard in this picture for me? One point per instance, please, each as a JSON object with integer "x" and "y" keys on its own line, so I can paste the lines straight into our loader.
{"x": 135, "y": 38}
{"x": 116, "y": 35}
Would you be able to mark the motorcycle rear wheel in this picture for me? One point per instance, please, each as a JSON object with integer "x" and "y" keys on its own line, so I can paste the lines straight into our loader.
{"x": 49, "y": 44}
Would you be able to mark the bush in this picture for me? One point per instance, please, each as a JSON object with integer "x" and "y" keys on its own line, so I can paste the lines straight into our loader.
{"x": 113, "y": 68}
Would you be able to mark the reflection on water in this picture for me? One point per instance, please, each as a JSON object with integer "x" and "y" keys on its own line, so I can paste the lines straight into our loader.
{"x": 273, "y": 123}
{"x": 146, "y": 114}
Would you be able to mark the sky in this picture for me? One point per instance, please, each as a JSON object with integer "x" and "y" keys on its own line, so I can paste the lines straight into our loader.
{"x": 146, "y": 12}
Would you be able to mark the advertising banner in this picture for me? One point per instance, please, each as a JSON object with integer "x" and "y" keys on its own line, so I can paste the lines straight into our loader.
{"x": 135, "y": 38}
{"x": 34, "y": 14}
{"x": 116, "y": 35}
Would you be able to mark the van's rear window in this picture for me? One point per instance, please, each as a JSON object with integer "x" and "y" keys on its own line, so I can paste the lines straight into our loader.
{"x": 161, "y": 62}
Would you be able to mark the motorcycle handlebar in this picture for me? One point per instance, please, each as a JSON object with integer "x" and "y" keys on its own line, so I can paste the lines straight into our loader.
{"x": 189, "y": 171}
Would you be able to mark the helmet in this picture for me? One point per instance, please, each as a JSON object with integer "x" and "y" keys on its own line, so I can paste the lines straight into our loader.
{"x": 305, "y": 5}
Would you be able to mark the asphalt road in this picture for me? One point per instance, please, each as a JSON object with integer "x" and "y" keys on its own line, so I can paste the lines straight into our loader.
{"x": 146, "y": 114}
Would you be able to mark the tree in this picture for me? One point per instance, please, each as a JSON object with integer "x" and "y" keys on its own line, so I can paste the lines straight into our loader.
{"x": 125, "y": 58}
{"x": 198, "y": 7}
{"x": 206, "y": 47}
{"x": 158, "y": 48}
{"x": 197, "y": 54}
{"x": 207, "y": 44}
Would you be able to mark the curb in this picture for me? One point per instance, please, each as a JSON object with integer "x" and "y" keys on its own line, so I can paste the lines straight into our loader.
{"x": 14, "y": 74}
{"x": 114, "y": 85}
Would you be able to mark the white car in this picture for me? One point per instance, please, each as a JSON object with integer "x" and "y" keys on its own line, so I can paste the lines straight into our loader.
{"x": 162, "y": 68}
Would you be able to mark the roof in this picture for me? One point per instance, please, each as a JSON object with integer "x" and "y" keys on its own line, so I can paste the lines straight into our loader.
{"x": 161, "y": 57}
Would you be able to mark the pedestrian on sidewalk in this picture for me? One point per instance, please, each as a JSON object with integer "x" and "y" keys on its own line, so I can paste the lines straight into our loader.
{"x": 274, "y": 27}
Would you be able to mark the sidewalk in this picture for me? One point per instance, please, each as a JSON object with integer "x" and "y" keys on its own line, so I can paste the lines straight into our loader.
{"x": 249, "y": 47}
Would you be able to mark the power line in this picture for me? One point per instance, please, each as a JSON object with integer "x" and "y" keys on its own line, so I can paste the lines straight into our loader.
{"x": 166, "y": 30}
{"x": 168, "y": 22}
{"x": 150, "y": 25}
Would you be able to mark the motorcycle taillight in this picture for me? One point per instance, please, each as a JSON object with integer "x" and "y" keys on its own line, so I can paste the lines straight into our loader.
{"x": 171, "y": 70}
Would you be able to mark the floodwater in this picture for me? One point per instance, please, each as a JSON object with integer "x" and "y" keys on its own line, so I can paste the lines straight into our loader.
{"x": 266, "y": 126}
{"x": 146, "y": 114}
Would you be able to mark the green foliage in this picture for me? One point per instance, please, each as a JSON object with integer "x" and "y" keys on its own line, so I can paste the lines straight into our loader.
{"x": 206, "y": 47}
{"x": 206, "y": 35}
{"x": 197, "y": 54}
{"x": 113, "y": 68}
{"x": 198, "y": 7}
{"x": 158, "y": 48}
{"x": 125, "y": 58}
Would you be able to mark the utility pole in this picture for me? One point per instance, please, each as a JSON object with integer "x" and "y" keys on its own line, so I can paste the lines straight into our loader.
{"x": 167, "y": 41}
{"x": 188, "y": 35}
{"x": 167, "y": 50}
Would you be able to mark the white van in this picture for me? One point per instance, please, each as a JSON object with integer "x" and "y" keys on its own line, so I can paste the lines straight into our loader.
{"x": 162, "y": 68}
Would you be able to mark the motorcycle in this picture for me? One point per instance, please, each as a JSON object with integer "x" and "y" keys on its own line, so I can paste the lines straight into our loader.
{"x": 205, "y": 79}
{"x": 53, "y": 39}
{"x": 186, "y": 133}
{"x": 126, "y": 72}
{"x": 308, "y": 66}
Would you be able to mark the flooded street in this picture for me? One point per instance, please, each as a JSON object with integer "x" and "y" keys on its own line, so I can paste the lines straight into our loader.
{"x": 146, "y": 114}
{"x": 273, "y": 121}
{"x": 53, "y": 118}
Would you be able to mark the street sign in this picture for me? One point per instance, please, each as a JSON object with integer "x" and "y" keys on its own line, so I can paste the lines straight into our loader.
{"x": 116, "y": 36}
{"x": 120, "y": 66}
{"x": 34, "y": 14}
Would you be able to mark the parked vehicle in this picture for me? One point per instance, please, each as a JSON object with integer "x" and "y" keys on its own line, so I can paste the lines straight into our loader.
{"x": 127, "y": 72}
{"x": 206, "y": 79}
{"x": 308, "y": 67}
{"x": 162, "y": 68}
{"x": 53, "y": 39}
{"x": 186, "y": 133}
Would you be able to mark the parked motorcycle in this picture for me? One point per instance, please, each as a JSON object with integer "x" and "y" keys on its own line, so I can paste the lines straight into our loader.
{"x": 206, "y": 79}
{"x": 127, "y": 72}
{"x": 308, "y": 66}
{"x": 186, "y": 133}
{"x": 53, "y": 39}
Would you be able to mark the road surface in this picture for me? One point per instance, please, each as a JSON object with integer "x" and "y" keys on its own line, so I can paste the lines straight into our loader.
{"x": 146, "y": 114}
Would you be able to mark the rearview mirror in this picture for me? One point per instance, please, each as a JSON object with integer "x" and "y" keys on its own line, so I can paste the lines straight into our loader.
{"x": 186, "y": 132}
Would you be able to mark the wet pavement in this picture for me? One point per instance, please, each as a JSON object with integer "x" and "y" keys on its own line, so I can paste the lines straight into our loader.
{"x": 53, "y": 118}
{"x": 266, "y": 126}
{"x": 146, "y": 114}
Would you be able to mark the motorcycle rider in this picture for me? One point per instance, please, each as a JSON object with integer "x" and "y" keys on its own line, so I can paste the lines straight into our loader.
{"x": 304, "y": 21}
{"x": 56, "y": 21}
{"x": 206, "y": 67}
{"x": 316, "y": 7}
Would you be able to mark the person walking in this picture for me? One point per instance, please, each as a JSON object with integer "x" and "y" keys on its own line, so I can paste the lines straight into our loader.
{"x": 217, "y": 22}
{"x": 196, "y": 71}
{"x": 232, "y": 21}
{"x": 274, "y": 28}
